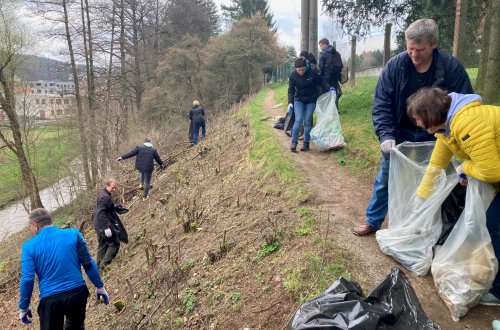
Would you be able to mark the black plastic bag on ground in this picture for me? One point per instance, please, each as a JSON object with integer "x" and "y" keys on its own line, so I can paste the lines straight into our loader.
{"x": 392, "y": 304}
{"x": 289, "y": 120}
{"x": 451, "y": 210}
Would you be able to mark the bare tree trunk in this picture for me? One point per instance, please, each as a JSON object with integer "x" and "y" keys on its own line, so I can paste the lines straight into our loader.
{"x": 352, "y": 78}
{"x": 387, "y": 42}
{"x": 485, "y": 46}
{"x": 124, "y": 96}
{"x": 91, "y": 91}
{"x": 461, "y": 11}
{"x": 491, "y": 92}
{"x": 81, "y": 126}
{"x": 7, "y": 103}
{"x": 138, "y": 87}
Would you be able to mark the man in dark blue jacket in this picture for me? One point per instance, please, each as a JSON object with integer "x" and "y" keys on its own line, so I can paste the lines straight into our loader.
{"x": 422, "y": 64}
{"x": 56, "y": 256}
{"x": 145, "y": 155}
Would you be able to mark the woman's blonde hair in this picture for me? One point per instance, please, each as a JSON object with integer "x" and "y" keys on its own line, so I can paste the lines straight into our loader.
{"x": 196, "y": 102}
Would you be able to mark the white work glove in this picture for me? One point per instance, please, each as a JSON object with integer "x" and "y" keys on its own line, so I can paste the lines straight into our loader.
{"x": 108, "y": 233}
{"x": 463, "y": 180}
{"x": 290, "y": 108}
{"x": 25, "y": 315}
{"x": 102, "y": 293}
{"x": 118, "y": 159}
{"x": 387, "y": 145}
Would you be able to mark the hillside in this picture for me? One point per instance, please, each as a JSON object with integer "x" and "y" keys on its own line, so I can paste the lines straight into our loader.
{"x": 236, "y": 234}
{"x": 41, "y": 68}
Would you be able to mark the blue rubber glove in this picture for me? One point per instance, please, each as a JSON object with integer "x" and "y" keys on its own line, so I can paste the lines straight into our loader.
{"x": 25, "y": 315}
{"x": 332, "y": 90}
{"x": 463, "y": 180}
{"x": 290, "y": 108}
{"x": 102, "y": 293}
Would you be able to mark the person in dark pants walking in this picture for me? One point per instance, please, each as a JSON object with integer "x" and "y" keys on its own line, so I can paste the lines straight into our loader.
{"x": 56, "y": 256}
{"x": 145, "y": 155}
{"x": 104, "y": 225}
{"x": 197, "y": 117}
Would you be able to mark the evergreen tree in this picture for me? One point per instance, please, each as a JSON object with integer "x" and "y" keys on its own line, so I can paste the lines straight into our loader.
{"x": 247, "y": 8}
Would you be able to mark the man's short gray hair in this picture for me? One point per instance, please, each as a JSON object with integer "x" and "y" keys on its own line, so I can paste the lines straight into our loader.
{"x": 41, "y": 217}
{"x": 421, "y": 29}
{"x": 109, "y": 181}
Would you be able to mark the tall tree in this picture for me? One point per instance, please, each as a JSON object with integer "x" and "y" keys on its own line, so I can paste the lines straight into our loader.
{"x": 12, "y": 42}
{"x": 247, "y": 8}
{"x": 492, "y": 87}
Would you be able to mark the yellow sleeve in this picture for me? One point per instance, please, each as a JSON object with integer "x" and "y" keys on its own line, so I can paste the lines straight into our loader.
{"x": 440, "y": 158}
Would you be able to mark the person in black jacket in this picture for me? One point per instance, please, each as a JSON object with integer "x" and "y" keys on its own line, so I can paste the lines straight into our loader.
{"x": 302, "y": 98}
{"x": 104, "y": 225}
{"x": 421, "y": 65}
{"x": 197, "y": 117}
{"x": 329, "y": 66}
{"x": 145, "y": 155}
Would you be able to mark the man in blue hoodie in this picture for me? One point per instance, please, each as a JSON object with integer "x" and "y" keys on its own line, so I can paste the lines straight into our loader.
{"x": 145, "y": 155}
{"x": 56, "y": 256}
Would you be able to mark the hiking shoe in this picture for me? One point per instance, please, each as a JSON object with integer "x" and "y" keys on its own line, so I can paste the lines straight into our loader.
{"x": 489, "y": 300}
{"x": 305, "y": 147}
{"x": 363, "y": 230}
{"x": 293, "y": 147}
{"x": 495, "y": 324}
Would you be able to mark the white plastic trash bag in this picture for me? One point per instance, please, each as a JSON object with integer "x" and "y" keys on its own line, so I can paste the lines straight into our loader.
{"x": 465, "y": 266}
{"x": 327, "y": 133}
{"x": 412, "y": 233}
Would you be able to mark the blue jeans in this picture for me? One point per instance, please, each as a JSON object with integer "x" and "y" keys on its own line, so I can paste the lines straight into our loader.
{"x": 493, "y": 225}
{"x": 146, "y": 181}
{"x": 378, "y": 205}
{"x": 303, "y": 113}
{"x": 196, "y": 131}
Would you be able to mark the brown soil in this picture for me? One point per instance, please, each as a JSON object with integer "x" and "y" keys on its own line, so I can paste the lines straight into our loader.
{"x": 346, "y": 196}
{"x": 211, "y": 277}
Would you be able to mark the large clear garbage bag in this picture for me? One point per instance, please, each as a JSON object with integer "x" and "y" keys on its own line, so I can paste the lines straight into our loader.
{"x": 413, "y": 232}
{"x": 465, "y": 265}
{"x": 327, "y": 133}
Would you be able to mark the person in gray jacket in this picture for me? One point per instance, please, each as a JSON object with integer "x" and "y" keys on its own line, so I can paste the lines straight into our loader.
{"x": 145, "y": 156}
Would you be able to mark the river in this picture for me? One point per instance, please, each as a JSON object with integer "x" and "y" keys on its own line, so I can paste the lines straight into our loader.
{"x": 15, "y": 217}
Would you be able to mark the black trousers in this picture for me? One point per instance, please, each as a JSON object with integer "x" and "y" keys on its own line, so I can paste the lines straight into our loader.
{"x": 107, "y": 250}
{"x": 70, "y": 304}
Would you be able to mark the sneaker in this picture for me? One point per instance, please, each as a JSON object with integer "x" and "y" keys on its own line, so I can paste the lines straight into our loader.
{"x": 495, "y": 324}
{"x": 489, "y": 300}
{"x": 145, "y": 198}
{"x": 293, "y": 147}
{"x": 363, "y": 230}
{"x": 141, "y": 187}
{"x": 305, "y": 147}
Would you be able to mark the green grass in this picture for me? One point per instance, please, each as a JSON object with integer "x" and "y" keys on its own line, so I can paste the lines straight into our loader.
{"x": 269, "y": 154}
{"x": 362, "y": 152}
{"x": 50, "y": 156}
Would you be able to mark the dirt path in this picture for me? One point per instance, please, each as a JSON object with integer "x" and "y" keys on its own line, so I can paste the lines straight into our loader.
{"x": 346, "y": 197}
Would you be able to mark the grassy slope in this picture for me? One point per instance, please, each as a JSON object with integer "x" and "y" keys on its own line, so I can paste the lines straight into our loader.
{"x": 50, "y": 155}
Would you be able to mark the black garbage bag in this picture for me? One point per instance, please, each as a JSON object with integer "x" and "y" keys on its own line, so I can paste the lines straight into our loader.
{"x": 451, "y": 209}
{"x": 289, "y": 120}
{"x": 280, "y": 123}
{"x": 392, "y": 304}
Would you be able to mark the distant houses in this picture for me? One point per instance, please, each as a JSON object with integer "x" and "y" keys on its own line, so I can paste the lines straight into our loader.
{"x": 44, "y": 100}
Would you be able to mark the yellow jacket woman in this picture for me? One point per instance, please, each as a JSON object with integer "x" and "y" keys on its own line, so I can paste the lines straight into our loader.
{"x": 470, "y": 130}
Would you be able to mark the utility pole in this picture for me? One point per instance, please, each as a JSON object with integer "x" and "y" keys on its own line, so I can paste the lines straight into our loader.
{"x": 304, "y": 25}
{"x": 313, "y": 27}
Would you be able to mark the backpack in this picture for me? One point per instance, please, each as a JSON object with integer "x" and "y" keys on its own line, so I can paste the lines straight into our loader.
{"x": 333, "y": 62}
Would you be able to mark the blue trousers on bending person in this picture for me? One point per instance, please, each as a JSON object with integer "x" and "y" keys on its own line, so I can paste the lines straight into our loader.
{"x": 196, "y": 131}
{"x": 303, "y": 113}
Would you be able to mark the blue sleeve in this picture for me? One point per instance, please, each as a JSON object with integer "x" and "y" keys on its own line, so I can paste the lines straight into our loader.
{"x": 88, "y": 263}
{"x": 383, "y": 113}
{"x": 459, "y": 82}
{"x": 131, "y": 153}
{"x": 27, "y": 278}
